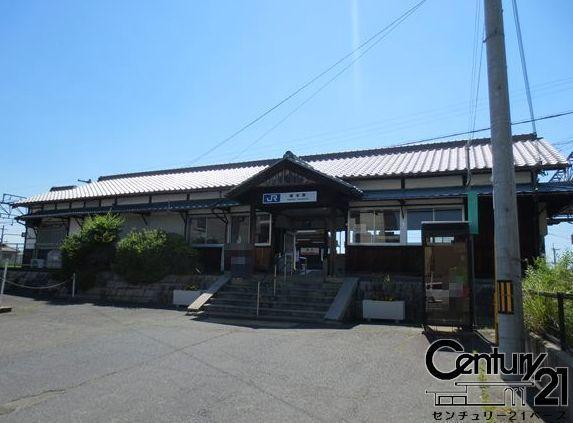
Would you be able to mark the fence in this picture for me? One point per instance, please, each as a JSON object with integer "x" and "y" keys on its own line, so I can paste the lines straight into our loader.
{"x": 11, "y": 253}
{"x": 6, "y": 280}
{"x": 553, "y": 312}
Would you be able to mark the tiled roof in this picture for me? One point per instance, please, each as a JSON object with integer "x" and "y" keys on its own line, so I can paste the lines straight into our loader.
{"x": 436, "y": 158}
{"x": 171, "y": 206}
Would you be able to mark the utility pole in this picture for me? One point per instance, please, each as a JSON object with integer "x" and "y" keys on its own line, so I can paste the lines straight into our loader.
{"x": 554, "y": 254}
{"x": 507, "y": 257}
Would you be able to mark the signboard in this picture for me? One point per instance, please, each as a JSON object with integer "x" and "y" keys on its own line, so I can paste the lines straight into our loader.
{"x": 289, "y": 197}
{"x": 473, "y": 212}
{"x": 309, "y": 251}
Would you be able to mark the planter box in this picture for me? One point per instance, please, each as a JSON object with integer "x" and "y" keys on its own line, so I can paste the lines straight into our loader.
{"x": 388, "y": 310}
{"x": 184, "y": 297}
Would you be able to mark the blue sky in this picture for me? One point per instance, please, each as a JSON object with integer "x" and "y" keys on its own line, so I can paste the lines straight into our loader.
{"x": 97, "y": 87}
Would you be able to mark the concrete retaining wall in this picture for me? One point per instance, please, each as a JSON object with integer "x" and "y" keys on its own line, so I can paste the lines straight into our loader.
{"x": 555, "y": 358}
{"x": 108, "y": 287}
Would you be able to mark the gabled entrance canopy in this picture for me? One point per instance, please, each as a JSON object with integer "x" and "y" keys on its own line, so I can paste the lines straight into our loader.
{"x": 292, "y": 181}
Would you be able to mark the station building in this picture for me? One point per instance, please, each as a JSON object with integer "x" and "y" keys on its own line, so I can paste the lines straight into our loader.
{"x": 352, "y": 212}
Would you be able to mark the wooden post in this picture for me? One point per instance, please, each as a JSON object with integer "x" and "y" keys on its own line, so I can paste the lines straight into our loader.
{"x": 252, "y": 236}
{"x": 332, "y": 242}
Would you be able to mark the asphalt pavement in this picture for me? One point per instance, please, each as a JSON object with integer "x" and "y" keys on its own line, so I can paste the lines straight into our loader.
{"x": 62, "y": 362}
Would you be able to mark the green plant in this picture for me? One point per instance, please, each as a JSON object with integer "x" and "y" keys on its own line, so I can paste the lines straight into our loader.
{"x": 541, "y": 313}
{"x": 382, "y": 289}
{"x": 92, "y": 249}
{"x": 146, "y": 256}
{"x": 192, "y": 287}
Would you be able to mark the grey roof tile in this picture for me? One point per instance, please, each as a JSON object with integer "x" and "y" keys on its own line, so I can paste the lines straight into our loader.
{"x": 444, "y": 157}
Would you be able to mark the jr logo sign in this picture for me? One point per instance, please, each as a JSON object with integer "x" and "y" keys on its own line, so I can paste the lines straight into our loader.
{"x": 271, "y": 198}
{"x": 290, "y": 197}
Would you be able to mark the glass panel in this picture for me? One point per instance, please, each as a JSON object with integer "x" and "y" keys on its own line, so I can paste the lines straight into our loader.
{"x": 361, "y": 224}
{"x": 215, "y": 231}
{"x": 239, "y": 229}
{"x": 447, "y": 280}
{"x": 197, "y": 230}
{"x": 446, "y": 215}
{"x": 388, "y": 226}
{"x": 263, "y": 231}
{"x": 415, "y": 219}
{"x": 417, "y": 216}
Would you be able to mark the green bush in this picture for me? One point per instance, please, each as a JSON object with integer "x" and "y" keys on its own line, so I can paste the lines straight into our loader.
{"x": 146, "y": 256}
{"x": 92, "y": 249}
{"x": 540, "y": 313}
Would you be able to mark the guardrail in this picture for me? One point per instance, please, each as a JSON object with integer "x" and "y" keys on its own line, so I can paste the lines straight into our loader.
{"x": 559, "y": 330}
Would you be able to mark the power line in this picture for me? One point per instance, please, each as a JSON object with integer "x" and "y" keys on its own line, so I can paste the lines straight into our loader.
{"x": 336, "y": 76}
{"x": 379, "y": 128}
{"x": 307, "y": 84}
{"x": 455, "y": 134}
{"x": 523, "y": 64}
{"x": 476, "y": 85}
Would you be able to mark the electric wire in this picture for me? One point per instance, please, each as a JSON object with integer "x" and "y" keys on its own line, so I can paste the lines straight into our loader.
{"x": 306, "y": 84}
{"x": 474, "y": 85}
{"x": 524, "y": 71}
{"x": 328, "y": 82}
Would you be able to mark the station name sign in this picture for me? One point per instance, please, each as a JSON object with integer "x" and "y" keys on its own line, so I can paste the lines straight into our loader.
{"x": 289, "y": 197}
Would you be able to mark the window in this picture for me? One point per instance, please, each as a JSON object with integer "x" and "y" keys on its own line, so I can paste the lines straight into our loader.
{"x": 263, "y": 229}
{"x": 374, "y": 226}
{"x": 206, "y": 230}
{"x": 239, "y": 229}
{"x": 430, "y": 214}
{"x": 239, "y": 233}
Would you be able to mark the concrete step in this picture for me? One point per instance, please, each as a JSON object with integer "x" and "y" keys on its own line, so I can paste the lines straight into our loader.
{"x": 249, "y": 310}
{"x": 268, "y": 296}
{"x": 275, "y": 305}
{"x": 240, "y": 316}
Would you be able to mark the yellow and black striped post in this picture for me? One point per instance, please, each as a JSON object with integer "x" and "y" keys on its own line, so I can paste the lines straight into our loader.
{"x": 505, "y": 297}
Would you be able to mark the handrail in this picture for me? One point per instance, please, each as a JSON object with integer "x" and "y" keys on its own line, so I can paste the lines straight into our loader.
{"x": 263, "y": 280}
{"x": 565, "y": 295}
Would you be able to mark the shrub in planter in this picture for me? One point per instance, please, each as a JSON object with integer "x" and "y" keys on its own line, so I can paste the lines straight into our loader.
{"x": 146, "y": 256}
{"x": 92, "y": 249}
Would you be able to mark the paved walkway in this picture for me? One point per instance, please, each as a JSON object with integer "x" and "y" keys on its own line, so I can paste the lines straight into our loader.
{"x": 87, "y": 363}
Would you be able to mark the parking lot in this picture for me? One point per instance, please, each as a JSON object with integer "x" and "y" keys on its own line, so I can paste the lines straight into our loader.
{"x": 93, "y": 363}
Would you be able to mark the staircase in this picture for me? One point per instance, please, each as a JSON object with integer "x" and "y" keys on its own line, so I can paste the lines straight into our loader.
{"x": 298, "y": 299}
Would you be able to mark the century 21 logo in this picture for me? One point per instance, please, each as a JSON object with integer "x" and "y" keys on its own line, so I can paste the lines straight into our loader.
{"x": 526, "y": 366}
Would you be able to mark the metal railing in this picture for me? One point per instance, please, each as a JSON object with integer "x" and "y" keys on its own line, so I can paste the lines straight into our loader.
{"x": 275, "y": 270}
{"x": 559, "y": 328}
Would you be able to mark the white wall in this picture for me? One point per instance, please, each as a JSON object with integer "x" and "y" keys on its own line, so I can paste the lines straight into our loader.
{"x": 142, "y": 199}
{"x": 169, "y": 222}
{"x": 433, "y": 182}
{"x": 378, "y": 184}
{"x": 74, "y": 227}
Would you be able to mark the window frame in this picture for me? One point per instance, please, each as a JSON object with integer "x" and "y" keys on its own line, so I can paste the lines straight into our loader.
{"x": 403, "y": 213}
{"x": 433, "y": 208}
{"x": 257, "y": 244}
{"x": 375, "y": 209}
{"x": 207, "y": 217}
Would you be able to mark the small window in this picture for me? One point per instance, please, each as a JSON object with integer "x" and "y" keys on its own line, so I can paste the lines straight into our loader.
{"x": 374, "y": 226}
{"x": 417, "y": 216}
{"x": 198, "y": 230}
{"x": 263, "y": 229}
{"x": 448, "y": 215}
{"x": 239, "y": 229}
{"x": 415, "y": 219}
{"x": 206, "y": 230}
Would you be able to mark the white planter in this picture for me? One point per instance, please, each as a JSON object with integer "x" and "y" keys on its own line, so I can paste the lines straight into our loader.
{"x": 184, "y": 297}
{"x": 388, "y": 310}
